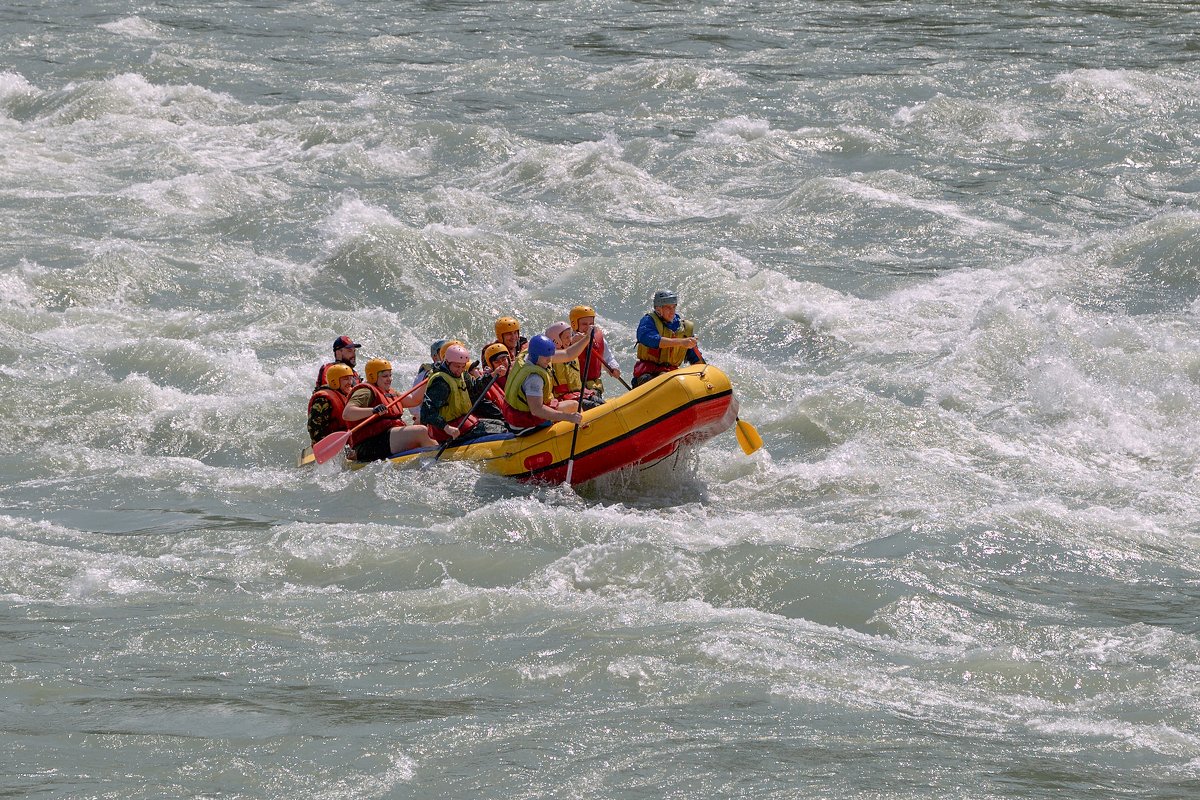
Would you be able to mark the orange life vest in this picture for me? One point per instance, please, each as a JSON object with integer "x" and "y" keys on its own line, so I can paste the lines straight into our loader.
{"x": 495, "y": 393}
{"x": 337, "y": 401}
{"x": 384, "y": 422}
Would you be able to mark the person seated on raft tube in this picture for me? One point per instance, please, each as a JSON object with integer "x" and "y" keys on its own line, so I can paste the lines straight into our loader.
{"x": 446, "y": 410}
{"x": 345, "y": 351}
{"x": 664, "y": 340}
{"x": 387, "y": 433}
{"x": 327, "y": 403}
{"x": 583, "y": 318}
{"x": 568, "y": 383}
{"x": 528, "y": 397}
{"x": 508, "y": 333}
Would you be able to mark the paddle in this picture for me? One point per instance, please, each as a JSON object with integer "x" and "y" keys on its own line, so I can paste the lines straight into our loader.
{"x": 332, "y": 444}
{"x": 587, "y": 362}
{"x": 747, "y": 435}
{"x": 474, "y": 406}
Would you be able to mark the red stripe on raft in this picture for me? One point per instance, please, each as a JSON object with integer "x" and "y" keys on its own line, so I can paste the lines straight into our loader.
{"x": 702, "y": 419}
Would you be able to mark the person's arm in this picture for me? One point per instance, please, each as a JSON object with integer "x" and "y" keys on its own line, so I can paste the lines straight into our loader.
{"x": 689, "y": 342}
{"x": 647, "y": 333}
{"x": 539, "y": 409}
{"x": 578, "y": 343}
{"x": 478, "y": 385}
{"x": 357, "y": 407}
{"x": 532, "y": 387}
{"x": 414, "y": 399}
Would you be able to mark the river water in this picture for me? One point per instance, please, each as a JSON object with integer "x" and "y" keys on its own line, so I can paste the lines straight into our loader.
{"x": 949, "y": 255}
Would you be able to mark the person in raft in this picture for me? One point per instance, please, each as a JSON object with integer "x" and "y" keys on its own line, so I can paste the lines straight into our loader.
{"x": 583, "y": 319}
{"x": 527, "y": 395}
{"x": 568, "y": 383}
{"x": 345, "y": 351}
{"x": 386, "y": 434}
{"x": 327, "y": 403}
{"x": 447, "y": 411}
{"x": 664, "y": 340}
{"x": 508, "y": 333}
{"x": 497, "y": 361}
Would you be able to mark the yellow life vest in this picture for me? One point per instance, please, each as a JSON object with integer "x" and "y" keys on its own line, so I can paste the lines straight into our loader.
{"x": 566, "y": 377}
{"x": 671, "y": 356}
{"x": 459, "y": 401}
{"x": 514, "y": 395}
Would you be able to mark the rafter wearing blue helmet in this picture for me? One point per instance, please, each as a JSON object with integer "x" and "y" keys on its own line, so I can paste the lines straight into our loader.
{"x": 527, "y": 393}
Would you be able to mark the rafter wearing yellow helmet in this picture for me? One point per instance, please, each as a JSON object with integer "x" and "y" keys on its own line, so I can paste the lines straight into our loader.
{"x": 508, "y": 333}
{"x": 327, "y": 403}
{"x": 583, "y": 320}
{"x": 386, "y": 434}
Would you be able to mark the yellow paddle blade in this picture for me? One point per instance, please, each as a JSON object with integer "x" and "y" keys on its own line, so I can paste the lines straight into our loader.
{"x": 748, "y": 438}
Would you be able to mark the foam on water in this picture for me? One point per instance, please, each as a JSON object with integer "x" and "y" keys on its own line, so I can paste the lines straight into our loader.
{"x": 677, "y": 76}
{"x": 14, "y": 86}
{"x": 134, "y": 27}
{"x": 964, "y": 123}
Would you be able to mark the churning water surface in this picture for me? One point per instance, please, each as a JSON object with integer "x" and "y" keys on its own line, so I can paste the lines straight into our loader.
{"x": 946, "y": 252}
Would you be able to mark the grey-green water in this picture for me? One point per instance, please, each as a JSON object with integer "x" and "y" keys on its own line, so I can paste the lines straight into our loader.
{"x": 947, "y": 253}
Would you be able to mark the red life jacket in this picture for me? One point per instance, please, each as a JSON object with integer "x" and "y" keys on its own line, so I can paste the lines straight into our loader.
{"x": 523, "y": 419}
{"x": 321, "y": 374}
{"x": 597, "y": 362}
{"x": 495, "y": 393}
{"x": 384, "y": 422}
{"x": 649, "y": 367}
{"x": 463, "y": 424}
{"x": 337, "y": 401}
